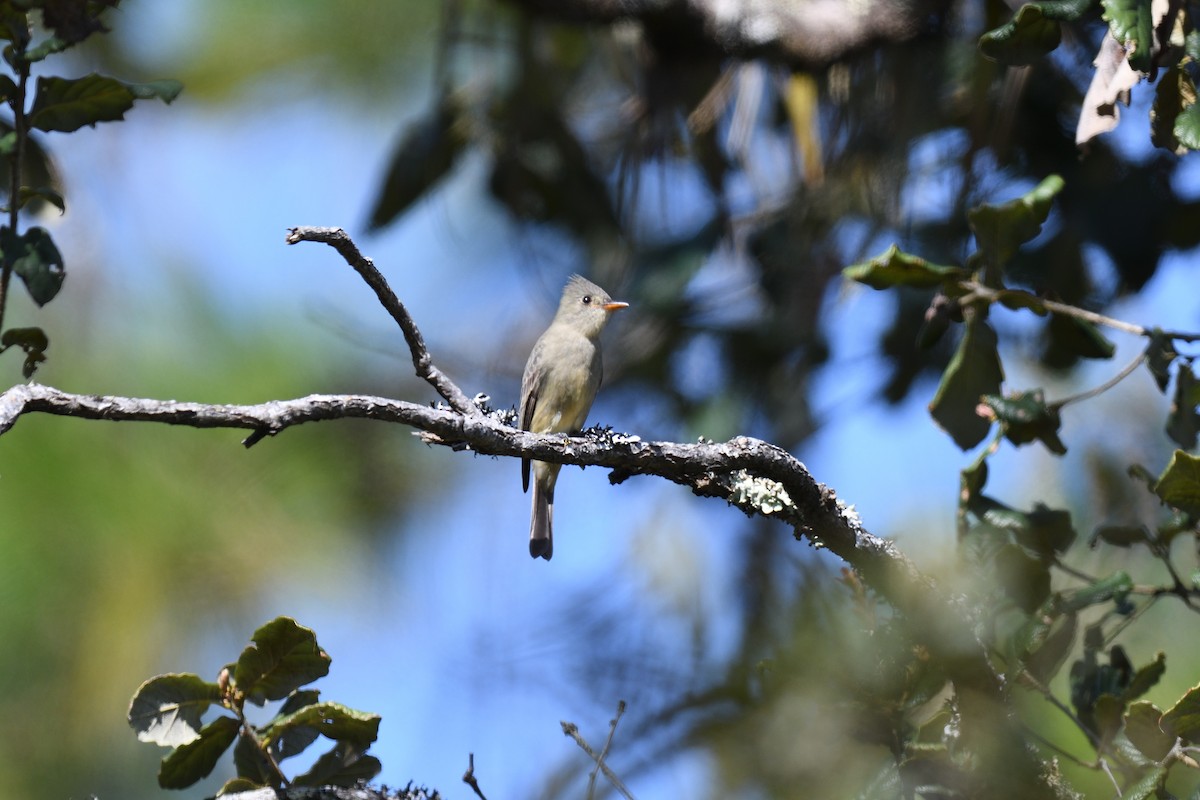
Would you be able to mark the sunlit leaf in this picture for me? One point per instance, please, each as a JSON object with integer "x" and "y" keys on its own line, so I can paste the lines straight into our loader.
{"x": 1132, "y": 25}
{"x": 897, "y": 268}
{"x": 1141, "y": 726}
{"x": 1000, "y": 229}
{"x": 1179, "y": 484}
{"x": 1174, "y": 93}
{"x": 1183, "y": 718}
{"x": 166, "y": 710}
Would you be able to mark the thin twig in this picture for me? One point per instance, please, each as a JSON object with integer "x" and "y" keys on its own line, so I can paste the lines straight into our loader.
{"x": 1125, "y": 372}
{"x": 469, "y": 777}
{"x": 612, "y": 729}
{"x": 572, "y": 730}
{"x": 422, "y": 361}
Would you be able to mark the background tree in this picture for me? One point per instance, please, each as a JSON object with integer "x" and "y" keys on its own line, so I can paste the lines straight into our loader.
{"x": 721, "y": 197}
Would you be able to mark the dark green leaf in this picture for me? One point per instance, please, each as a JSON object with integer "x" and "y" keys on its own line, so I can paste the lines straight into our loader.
{"x": 1115, "y": 586}
{"x": 1025, "y": 38}
{"x": 1183, "y": 422}
{"x": 1015, "y": 300}
{"x": 423, "y": 156}
{"x": 1179, "y": 484}
{"x": 1132, "y": 25}
{"x": 1025, "y": 580}
{"x": 166, "y": 709}
{"x": 1146, "y": 677}
{"x": 1187, "y": 127}
{"x": 284, "y": 657}
{"x": 47, "y": 194}
{"x": 896, "y": 268}
{"x": 252, "y": 764}
{"x": 971, "y": 481}
{"x": 1107, "y": 715}
{"x": 1026, "y": 417}
{"x": 973, "y": 372}
{"x": 193, "y": 761}
{"x": 1159, "y": 355}
{"x": 1048, "y": 531}
{"x": 67, "y": 105}
{"x": 1046, "y": 640}
{"x": 295, "y": 739}
{"x": 1001, "y": 229}
{"x": 1082, "y": 338}
{"x": 1147, "y": 786}
{"x": 1183, "y": 718}
{"x": 31, "y": 340}
{"x": 1120, "y": 535}
{"x": 1174, "y": 92}
{"x": 34, "y": 256}
{"x": 236, "y": 785}
{"x": 344, "y": 765}
{"x": 1141, "y": 726}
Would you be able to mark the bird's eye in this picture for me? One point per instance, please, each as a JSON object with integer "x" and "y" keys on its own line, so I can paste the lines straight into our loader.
{"x": 587, "y": 299}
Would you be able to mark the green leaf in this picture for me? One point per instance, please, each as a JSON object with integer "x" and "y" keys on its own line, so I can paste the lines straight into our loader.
{"x": 1146, "y": 677}
{"x": 1082, "y": 338}
{"x": 236, "y": 785}
{"x": 1159, "y": 355}
{"x": 342, "y": 766}
{"x": 1183, "y": 718}
{"x": 1116, "y": 586}
{"x": 1046, "y": 640}
{"x": 51, "y": 196}
{"x": 1174, "y": 93}
{"x": 1025, "y": 38}
{"x": 31, "y": 340}
{"x": 973, "y": 372}
{"x": 424, "y": 155}
{"x": 1132, "y": 25}
{"x": 1187, "y": 127}
{"x": 1183, "y": 422}
{"x": 1026, "y": 417}
{"x": 1015, "y": 300}
{"x": 284, "y": 657}
{"x": 295, "y": 739}
{"x": 251, "y": 764}
{"x": 193, "y": 761}
{"x": 1141, "y": 726}
{"x": 34, "y": 256}
{"x": 1107, "y": 716}
{"x": 1025, "y": 580}
{"x": 166, "y": 709}
{"x": 1149, "y": 785}
{"x": 1120, "y": 535}
{"x": 1001, "y": 229}
{"x": 67, "y": 105}
{"x": 1179, "y": 484}
{"x": 331, "y": 720}
{"x": 896, "y": 268}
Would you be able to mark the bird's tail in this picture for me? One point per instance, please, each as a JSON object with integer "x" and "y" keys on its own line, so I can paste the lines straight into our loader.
{"x": 541, "y": 521}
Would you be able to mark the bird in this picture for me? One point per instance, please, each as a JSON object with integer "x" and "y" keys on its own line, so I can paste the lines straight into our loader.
{"x": 561, "y": 379}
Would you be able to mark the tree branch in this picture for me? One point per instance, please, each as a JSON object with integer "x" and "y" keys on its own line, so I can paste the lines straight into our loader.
{"x": 422, "y": 361}
{"x": 753, "y": 475}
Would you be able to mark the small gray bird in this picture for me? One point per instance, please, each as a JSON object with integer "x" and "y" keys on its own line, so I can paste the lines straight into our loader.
{"x": 561, "y": 379}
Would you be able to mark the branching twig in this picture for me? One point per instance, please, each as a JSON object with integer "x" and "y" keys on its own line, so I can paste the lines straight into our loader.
{"x": 469, "y": 777}
{"x": 572, "y": 730}
{"x": 612, "y": 729}
{"x": 338, "y": 240}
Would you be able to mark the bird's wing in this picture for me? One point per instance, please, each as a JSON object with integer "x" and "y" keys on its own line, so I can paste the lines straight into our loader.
{"x": 530, "y": 389}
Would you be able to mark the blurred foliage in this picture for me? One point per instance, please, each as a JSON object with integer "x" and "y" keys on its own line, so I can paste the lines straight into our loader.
{"x": 723, "y": 198}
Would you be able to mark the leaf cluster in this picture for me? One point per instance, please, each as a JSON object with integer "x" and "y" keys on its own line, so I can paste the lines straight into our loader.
{"x": 168, "y": 710}
{"x": 1014, "y": 553}
{"x": 33, "y": 31}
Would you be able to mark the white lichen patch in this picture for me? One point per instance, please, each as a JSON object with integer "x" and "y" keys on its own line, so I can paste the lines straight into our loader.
{"x": 763, "y": 494}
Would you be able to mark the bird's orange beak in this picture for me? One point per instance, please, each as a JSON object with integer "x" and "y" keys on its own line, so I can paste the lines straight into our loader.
{"x": 614, "y": 306}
